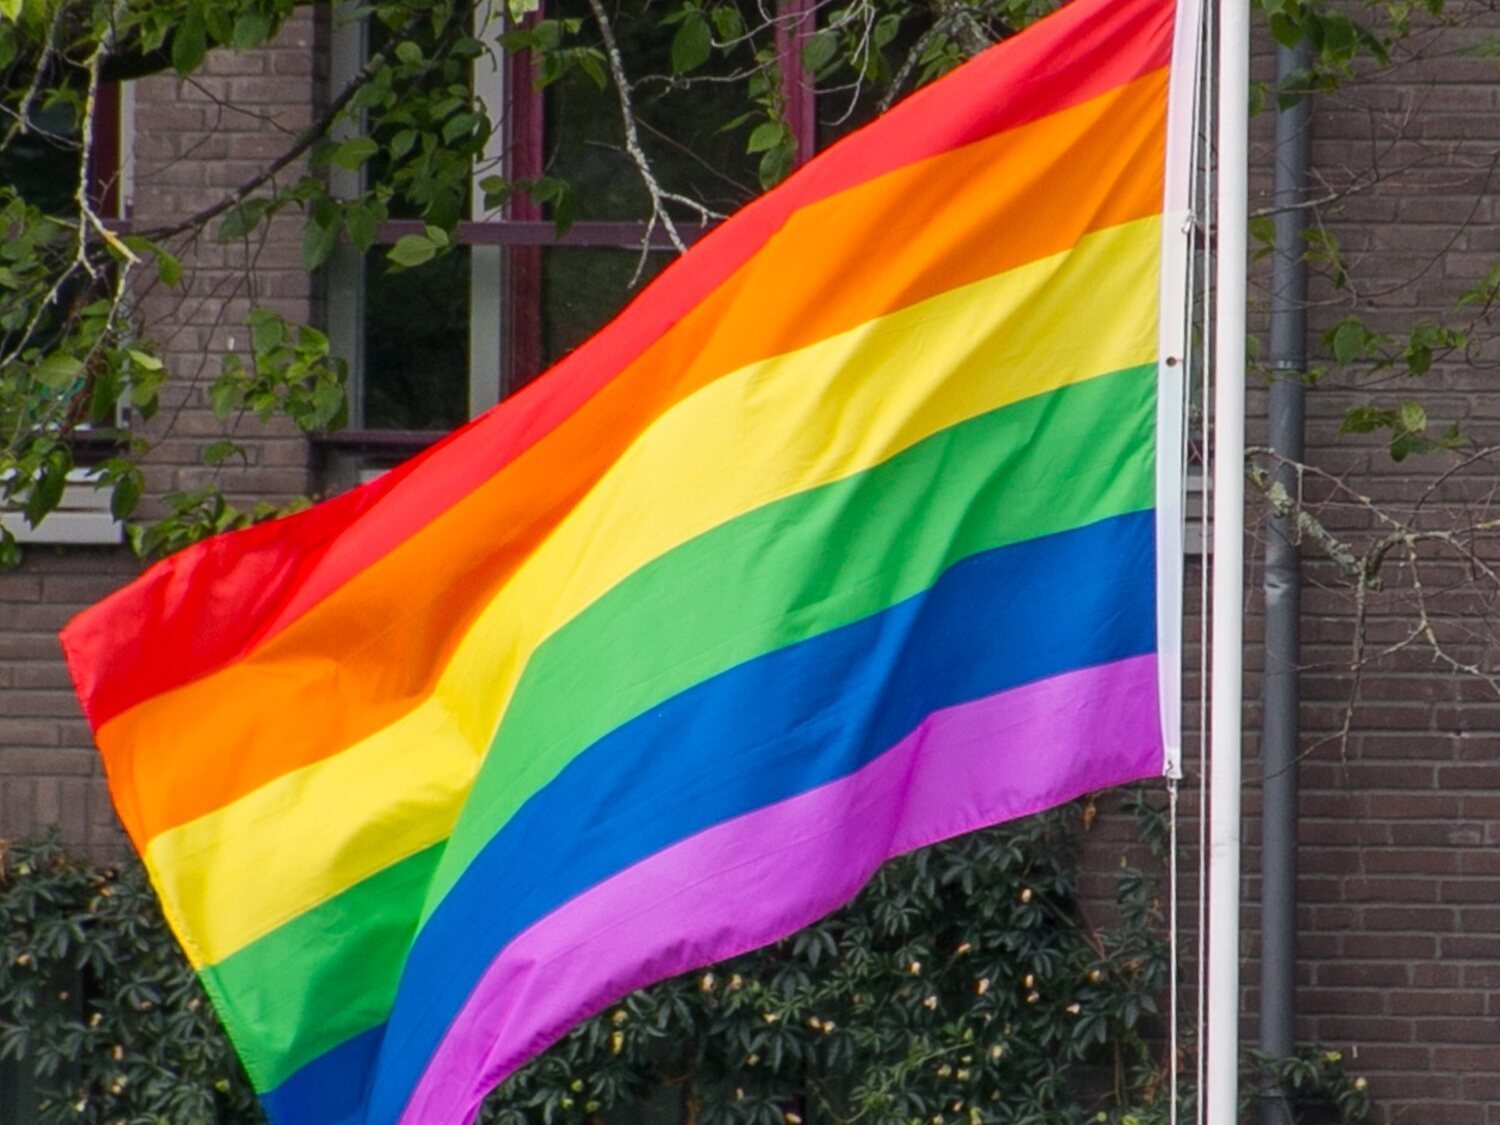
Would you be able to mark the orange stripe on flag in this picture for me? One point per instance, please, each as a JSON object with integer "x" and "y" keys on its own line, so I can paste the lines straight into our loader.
{"x": 289, "y": 703}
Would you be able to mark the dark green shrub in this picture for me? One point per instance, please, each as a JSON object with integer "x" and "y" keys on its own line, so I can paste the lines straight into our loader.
{"x": 963, "y": 986}
{"x": 99, "y": 1005}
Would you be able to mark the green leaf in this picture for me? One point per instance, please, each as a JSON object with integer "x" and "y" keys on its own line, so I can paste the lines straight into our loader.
{"x": 1263, "y": 233}
{"x": 362, "y": 225}
{"x": 46, "y": 492}
{"x": 412, "y": 250}
{"x": 1338, "y": 35}
{"x": 216, "y": 20}
{"x": 217, "y": 452}
{"x": 1347, "y": 340}
{"x": 168, "y": 268}
{"x": 727, "y": 22}
{"x": 691, "y": 45}
{"x": 767, "y": 135}
{"x": 402, "y": 142}
{"x": 328, "y": 404}
{"x": 251, "y": 30}
{"x": 1486, "y": 48}
{"x": 408, "y": 52}
{"x": 592, "y": 64}
{"x": 819, "y": 49}
{"x": 564, "y": 210}
{"x": 241, "y": 220}
{"x": 1413, "y": 417}
{"x": 458, "y": 126}
{"x": 224, "y": 396}
{"x": 1294, "y": 87}
{"x": 309, "y": 339}
{"x": 104, "y": 395}
{"x": 352, "y": 154}
{"x": 267, "y": 331}
{"x": 497, "y": 190}
{"x": 1287, "y": 32}
{"x": 1258, "y": 94}
{"x": 1365, "y": 419}
{"x": 126, "y": 494}
{"x": 57, "y": 371}
{"x": 144, "y": 359}
{"x": 190, "y": 43}
{"x": 777, "y": 163}
{"x": 318, "y": 242}
{"x": 735, "y": 122}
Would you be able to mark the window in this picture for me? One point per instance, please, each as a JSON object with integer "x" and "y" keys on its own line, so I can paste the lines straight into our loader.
{"x": 42, "y": 165}
{"x": 432, "y": 345}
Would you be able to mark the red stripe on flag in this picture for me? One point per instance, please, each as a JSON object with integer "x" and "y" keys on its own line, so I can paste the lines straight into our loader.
{"x": 209, "y": 605}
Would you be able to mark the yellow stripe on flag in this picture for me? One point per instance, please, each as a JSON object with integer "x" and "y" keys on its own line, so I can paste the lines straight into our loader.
{"x": 770, "y": 430}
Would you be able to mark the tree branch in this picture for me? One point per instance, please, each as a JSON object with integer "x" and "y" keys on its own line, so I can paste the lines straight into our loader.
{"x": 1285, "y": 506}
{"x": 659, "y": 197}
{"x": 309, "y": 137}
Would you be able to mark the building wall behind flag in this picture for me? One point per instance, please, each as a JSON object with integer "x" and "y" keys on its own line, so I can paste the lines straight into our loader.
{"x": 194, "y": 143}
{"x": 1400, "y": 880}
{"x": 188, "y": 144}
{"x": 1400, "y": 930}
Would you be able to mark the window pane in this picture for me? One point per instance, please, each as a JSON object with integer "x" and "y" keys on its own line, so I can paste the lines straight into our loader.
{"x": 681, "y": 123}
{"x": 583, "y": 287}
{"x": 417, "y": 343}
{"x": 42, "y": 164}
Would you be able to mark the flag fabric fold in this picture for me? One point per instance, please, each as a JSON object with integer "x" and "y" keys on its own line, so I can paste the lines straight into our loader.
{"x": 855, "y": 531}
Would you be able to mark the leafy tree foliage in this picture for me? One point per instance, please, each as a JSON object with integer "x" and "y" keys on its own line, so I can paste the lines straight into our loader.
{"x": 74, "y": 354}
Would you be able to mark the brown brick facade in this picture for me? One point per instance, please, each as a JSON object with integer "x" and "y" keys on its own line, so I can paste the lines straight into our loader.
{"x": 193, "y": 142}
{"x": 1399, "y": 877}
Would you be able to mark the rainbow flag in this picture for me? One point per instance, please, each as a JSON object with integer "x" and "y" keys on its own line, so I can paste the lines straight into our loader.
{"x": 855, "y": 531}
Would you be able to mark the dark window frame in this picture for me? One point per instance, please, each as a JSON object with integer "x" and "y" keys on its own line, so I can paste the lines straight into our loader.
{"x": 524, "y": 233}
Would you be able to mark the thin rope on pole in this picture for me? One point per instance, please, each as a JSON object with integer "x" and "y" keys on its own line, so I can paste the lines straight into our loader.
{"x": 1205, "y": 617}
{"x": 1195, "y": 362}
{"x": 1174, "y": 1033}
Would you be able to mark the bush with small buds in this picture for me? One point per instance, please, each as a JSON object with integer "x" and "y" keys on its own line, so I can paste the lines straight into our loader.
{"x": 964, "y": 985}
{"x": 97, "y": 1005}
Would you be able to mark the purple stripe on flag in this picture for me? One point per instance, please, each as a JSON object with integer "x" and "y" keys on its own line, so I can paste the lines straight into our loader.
{"x": 754, "y": 879}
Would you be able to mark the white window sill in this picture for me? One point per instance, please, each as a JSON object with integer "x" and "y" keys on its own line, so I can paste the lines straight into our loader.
{"x": 82, "y": 518}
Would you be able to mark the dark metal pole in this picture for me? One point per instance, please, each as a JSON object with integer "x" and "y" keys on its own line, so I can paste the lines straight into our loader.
{"x": 1280, "y": 735}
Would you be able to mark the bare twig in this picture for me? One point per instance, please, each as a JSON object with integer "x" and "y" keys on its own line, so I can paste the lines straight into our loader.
{"x": 908, "y": 64}
{"x": 88, "y": 218}
{"x": 1308, "y": 525}
{"x": 22, "y": 122}
{"x": 659, "y": 196}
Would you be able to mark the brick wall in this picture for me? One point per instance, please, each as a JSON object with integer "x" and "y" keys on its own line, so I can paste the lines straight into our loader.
{"x": 1399, "y": 878}
{"x": 193, "y": 143}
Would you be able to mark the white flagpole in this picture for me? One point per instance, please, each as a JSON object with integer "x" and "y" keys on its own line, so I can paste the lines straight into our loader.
{"x": 1226, "y": 642}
